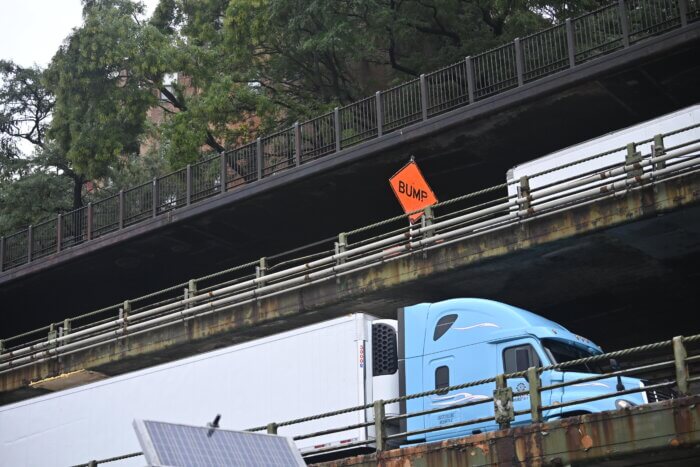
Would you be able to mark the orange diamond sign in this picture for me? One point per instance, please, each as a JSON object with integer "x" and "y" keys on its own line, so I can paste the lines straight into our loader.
{"x": 412, "y": 191}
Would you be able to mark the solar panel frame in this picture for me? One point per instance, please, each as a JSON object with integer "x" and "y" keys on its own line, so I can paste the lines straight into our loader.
{"x": 178, "y": 445}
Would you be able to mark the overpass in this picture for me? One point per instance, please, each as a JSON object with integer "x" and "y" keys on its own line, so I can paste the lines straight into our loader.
{"x": 466, "y": 124}
{"x": 613, "y": 248}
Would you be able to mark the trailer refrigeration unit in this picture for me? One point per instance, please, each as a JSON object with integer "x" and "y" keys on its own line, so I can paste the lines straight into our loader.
{"x": 333, "y": 365}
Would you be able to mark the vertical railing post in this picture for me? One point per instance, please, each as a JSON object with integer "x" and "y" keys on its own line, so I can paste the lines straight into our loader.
{"x": 67, "y": 326}
{"x": 524, "y": 199}
{"x": 260, "y": 271}
{"x": 533, "y": 380}
{"x": 571, "y": 43}
{"x": 338, "y": 131}
{"x": 259, "y": 157}
{"x": 519, "y": 61}
{"x": 340, "y": 246}
{"x": 427, "y": 220}
{"x": 154, "y": 196}
{"x": 470, "y": 78}
{"x": 658, "y": 150}
{"x": 379, "y": 429}
{"x": 272, "y": 428}
{"x": 88, "y": 229}
{"x": 188, "y": 184}
{"x": 297, "y": 144}
{"x": 503, "y": 403}
{"x": 30, "y": 241}
{"x": 683, "y": 12}
{"x": 679, "y": 356}
{"x": 380, "y": 113}
{"x": 2, "y": 346}
{"x": 624, "y": 22}
{"x": 423, "y": 97}
{"x": 124, "y": 314}
{"x": 224, "y": 172}
{"x": 632, "y": 160}
{"x": 121, "y": 209}
{"x": 59, "y": 232}
{"x": 53, "y": 332}
{"x": 2, "y": 253}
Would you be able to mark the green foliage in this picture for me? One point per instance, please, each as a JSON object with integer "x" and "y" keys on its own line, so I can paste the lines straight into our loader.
{"x": 104, "y": 78}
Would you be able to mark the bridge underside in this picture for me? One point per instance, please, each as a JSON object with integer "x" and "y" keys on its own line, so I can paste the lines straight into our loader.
{"x": 664, "y": 434}
{"x": 621, "y": 271}
{"x": 464, "y": 150}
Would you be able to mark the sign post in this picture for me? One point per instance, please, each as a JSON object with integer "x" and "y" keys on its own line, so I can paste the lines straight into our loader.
{"x": 412, "y": 190}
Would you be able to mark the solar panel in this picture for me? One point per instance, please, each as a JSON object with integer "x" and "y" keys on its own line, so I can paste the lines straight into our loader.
{"x": 173, "y": 445}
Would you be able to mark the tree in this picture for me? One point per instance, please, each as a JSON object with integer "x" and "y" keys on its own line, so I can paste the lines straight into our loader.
{"x": 39, "y": 183}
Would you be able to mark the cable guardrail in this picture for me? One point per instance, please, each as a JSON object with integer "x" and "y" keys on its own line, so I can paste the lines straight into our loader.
{"x": 669, "y": 375}
{"x": 524, "y": 60}
{"x": 259, "y": 279}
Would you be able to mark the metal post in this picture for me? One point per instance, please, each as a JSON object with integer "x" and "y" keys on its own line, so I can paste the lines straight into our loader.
{"x": 679, "y": 355}
{"x": 571, "y": 43}
{"x": 259, "y": 157}
{"x": 380, "y": 112}
{"x": 30, "y": 240}
{"x": 53, "y": 333}
{"x": 379, "y": 430}
{"x": 503, "y": 403}
{"x": 683, "y": 12}
{"x": 297, "y": 144}
{"x": 519, "y": 61}
{"x": 67, "y": 325}
{"x": 524, "y": 193}
{"x": 338, "y": 133}
{"x": 121, "y": 209}
{"x": 658, "y": 150}
{"x": 88, "y": 229}
{"x": 59, "y": 232}
{"x": 424, "y": 97}
{"x": 188, "y": 184}
{"x": 2, "y": 346}
{"x": 470, "y": 79}
{"x": 632, "y": 158}
{"x": 427, "y": 220}
{"x": 340, "y": 246}
{"x": 624, "y": 23}
{"x": 224, "y": 172}
{"x": 533, "y": 380}
{"x": 154, "y": 197}
{"x": 272, "y": 428}
{"x": 260, "y": 270}
{"x": 124, "y": 314}
{"x": 2, "y": 253}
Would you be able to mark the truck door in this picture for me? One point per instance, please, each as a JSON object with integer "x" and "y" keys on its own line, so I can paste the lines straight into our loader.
{"x": 519, "y": 355}
{"x": 440, "y": 373}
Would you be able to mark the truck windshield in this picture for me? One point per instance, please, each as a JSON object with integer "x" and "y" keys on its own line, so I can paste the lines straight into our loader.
{"x": 560, "y": 352}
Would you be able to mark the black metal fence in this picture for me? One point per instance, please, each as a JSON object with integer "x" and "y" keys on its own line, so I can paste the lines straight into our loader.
{"x": 527, "y": 59}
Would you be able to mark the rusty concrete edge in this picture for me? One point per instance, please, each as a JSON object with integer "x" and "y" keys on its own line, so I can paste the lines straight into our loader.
{"x": 641, "y": 417}
{"x": 219, "y": 334}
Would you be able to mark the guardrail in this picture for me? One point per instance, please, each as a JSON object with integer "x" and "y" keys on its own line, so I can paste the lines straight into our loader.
{"x": 616, "y": 172}
{"x": 666, "y": 370}
{"x": 566, "y": 45}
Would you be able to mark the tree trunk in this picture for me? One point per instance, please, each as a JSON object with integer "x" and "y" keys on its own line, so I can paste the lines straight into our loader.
{"x": 78, "y": 181}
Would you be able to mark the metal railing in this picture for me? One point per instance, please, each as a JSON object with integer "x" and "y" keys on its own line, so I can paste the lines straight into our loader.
{"x": 549, "y": 51}
{"x": 665, "y": 368}
{"x": 616, "y": 172}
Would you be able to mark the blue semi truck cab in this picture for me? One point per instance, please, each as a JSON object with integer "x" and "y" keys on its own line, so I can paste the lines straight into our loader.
{"x": 467, "y": 339}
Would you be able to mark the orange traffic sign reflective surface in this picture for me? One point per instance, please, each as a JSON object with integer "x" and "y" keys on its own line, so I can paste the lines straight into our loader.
{"x": 412, "y": 190}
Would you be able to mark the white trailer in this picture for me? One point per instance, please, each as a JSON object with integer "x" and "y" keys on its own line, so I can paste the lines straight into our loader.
{"x": 294, "y": 374}
{"x": 617, "y": 139}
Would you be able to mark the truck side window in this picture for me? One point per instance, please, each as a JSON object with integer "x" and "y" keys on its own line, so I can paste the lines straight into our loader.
{"x": 443, "y": 325}
{"x": 519, "y": 358}
{"x": 442, "y": 377}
